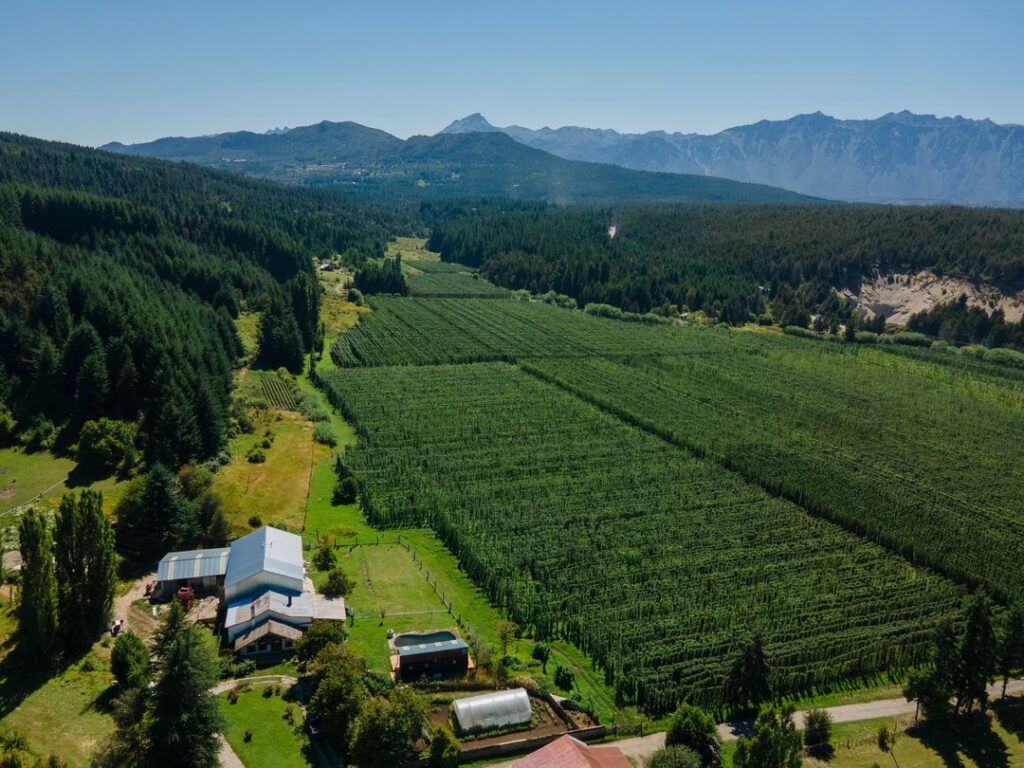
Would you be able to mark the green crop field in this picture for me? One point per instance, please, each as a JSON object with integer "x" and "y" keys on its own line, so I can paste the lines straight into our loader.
{"x": 452, "y": 283}
{"x": 657, "y": 563}
{"x": 906, "y": 452}
{"x": 424, "y": 331}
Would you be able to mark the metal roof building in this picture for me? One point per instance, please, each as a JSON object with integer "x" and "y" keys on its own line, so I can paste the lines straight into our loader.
{"x": 493, "y": 710}
{"x": 302, "y": 610}
{"x": 198, "y": 567}
{"x": 264, "y": 559}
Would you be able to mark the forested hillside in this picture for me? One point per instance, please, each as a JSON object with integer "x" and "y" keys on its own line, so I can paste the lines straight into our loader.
{"x": 737, "y": 263}
{"x": 358, "y": 160}
{"x": 119, "y": 281}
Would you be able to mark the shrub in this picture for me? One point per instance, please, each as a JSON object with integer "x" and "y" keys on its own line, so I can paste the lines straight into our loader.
{"x": 255, "y": 521}
{"x": 256, "y": 456}
{"x": 818, "y": 732}
{"x": 564, "y": 678}
{"x": 289, "y": 714}
{"x": 865, "y": 337}
{"x": 603, "y": 310}
{"x": 444, "y": 749}
{"x": 7, "y": 426}
{"x": 674, "y": 757}
{"x": 243, "y": 669}
{"x": 41, "y": 436}
{"x": 248, "y": 735}
{"x": 338, "y": 584}
{"x": 355, "y": 296}
{"x": 691, "y": 727}
{"x": 346, "y": 491}
{"x": 324, "y": 559}
{"x": 324, "y": 433}
{"x": 309, "y": 406}
{"x": 107, "y": 444}
{"x": 319, "y": 635}
{"x": 796, "y": 330}
{"x": 129, "y": 661}
{"x": 233, "y": 696}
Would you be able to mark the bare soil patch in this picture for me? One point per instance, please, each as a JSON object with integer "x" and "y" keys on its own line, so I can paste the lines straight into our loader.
{"x": 898, "y": 296}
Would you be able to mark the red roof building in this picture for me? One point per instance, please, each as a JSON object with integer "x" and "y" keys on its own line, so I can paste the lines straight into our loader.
{"x": 567, "y": 752}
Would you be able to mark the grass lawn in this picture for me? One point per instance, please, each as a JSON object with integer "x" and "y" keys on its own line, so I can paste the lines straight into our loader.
{"x": 275, "y": 742}
{"x": 928, "y": 747}
{"x": 65, "y": 715}
{"x": 274, "y": 491}
{"x": 411, "y": 248}
{"x": 387, "y": 577}
{"x": 247, "y": 326}
{"x": 23, "y": 475}
{"x": 339, "y": 314}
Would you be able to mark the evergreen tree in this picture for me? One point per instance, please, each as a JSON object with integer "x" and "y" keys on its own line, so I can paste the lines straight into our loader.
{"x": 978, "y": 653}
{"x": 1011, "y": 647}
{"x": 279, "y": 339}
{"x": 37, "y": 610}
{"x": 155, "y": 516}
{"x": 85, "y": 569}
{"x": 749, "y": 681}
{"x": 184, "y": 717}
{"x": 92, "y": 385}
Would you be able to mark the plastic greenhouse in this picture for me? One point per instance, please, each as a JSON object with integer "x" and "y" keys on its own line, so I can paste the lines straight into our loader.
{"x": 493, "y": 710}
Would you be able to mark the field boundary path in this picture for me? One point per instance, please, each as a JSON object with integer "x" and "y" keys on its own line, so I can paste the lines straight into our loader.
{"x": 641, "y": 747}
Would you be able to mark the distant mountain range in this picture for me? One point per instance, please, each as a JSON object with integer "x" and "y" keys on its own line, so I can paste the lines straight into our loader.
{"x": 367, "y": 161}
{"x": 899, "y": 157}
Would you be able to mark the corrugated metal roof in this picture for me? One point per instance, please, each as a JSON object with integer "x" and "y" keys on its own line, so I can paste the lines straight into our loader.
{"x": 270, "y": 628}
{"x": 194, "y": 564}
{"x": 423, "y": 648}
{"x": 493, "y": 710}
{"x": 307, "y": 606}
{"x": 268, "y": 549}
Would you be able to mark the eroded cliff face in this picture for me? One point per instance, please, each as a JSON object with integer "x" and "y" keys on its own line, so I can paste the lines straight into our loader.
{"x": 898, "y": 296}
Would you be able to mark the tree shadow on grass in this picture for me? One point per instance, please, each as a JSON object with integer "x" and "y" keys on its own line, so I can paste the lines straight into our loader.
{"x": 971, "y": 736}
{"x": 83, "y": 475}
{"x": 1010, "y": 712}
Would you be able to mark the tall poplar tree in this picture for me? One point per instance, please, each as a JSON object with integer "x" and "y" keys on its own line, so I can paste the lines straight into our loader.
{"x": 37, "y": 612}
{"x": 85, "y": 567}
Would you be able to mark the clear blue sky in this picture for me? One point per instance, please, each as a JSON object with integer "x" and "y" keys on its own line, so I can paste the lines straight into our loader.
{"x": 92, "y": 72}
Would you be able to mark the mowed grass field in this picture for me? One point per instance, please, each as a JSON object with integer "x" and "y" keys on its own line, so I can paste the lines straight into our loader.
{"x": 275, "y": 742}
{"x": 24, "y": 475}
{"x": 411, "y": 248}
{"x": 274, "y": 491}
{"x": 66, "y": 714}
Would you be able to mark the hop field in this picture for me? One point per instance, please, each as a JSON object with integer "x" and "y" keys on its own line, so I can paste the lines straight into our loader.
{"x": 428, "y": 331}
{"x": 658, "y": 563}
{"x": 452, "y": 283}
{"x": 904, "y": 452}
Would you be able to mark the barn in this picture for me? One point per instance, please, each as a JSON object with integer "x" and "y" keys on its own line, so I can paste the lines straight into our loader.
{"x": 266, "y": 599}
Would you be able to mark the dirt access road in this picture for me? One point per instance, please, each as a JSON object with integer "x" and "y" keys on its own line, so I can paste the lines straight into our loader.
{"x": 138, "y": 621}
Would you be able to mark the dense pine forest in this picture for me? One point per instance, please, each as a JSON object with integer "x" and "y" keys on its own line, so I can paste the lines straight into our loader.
{"x": 737, "y": 263}
{"x": 119, "y": 281}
